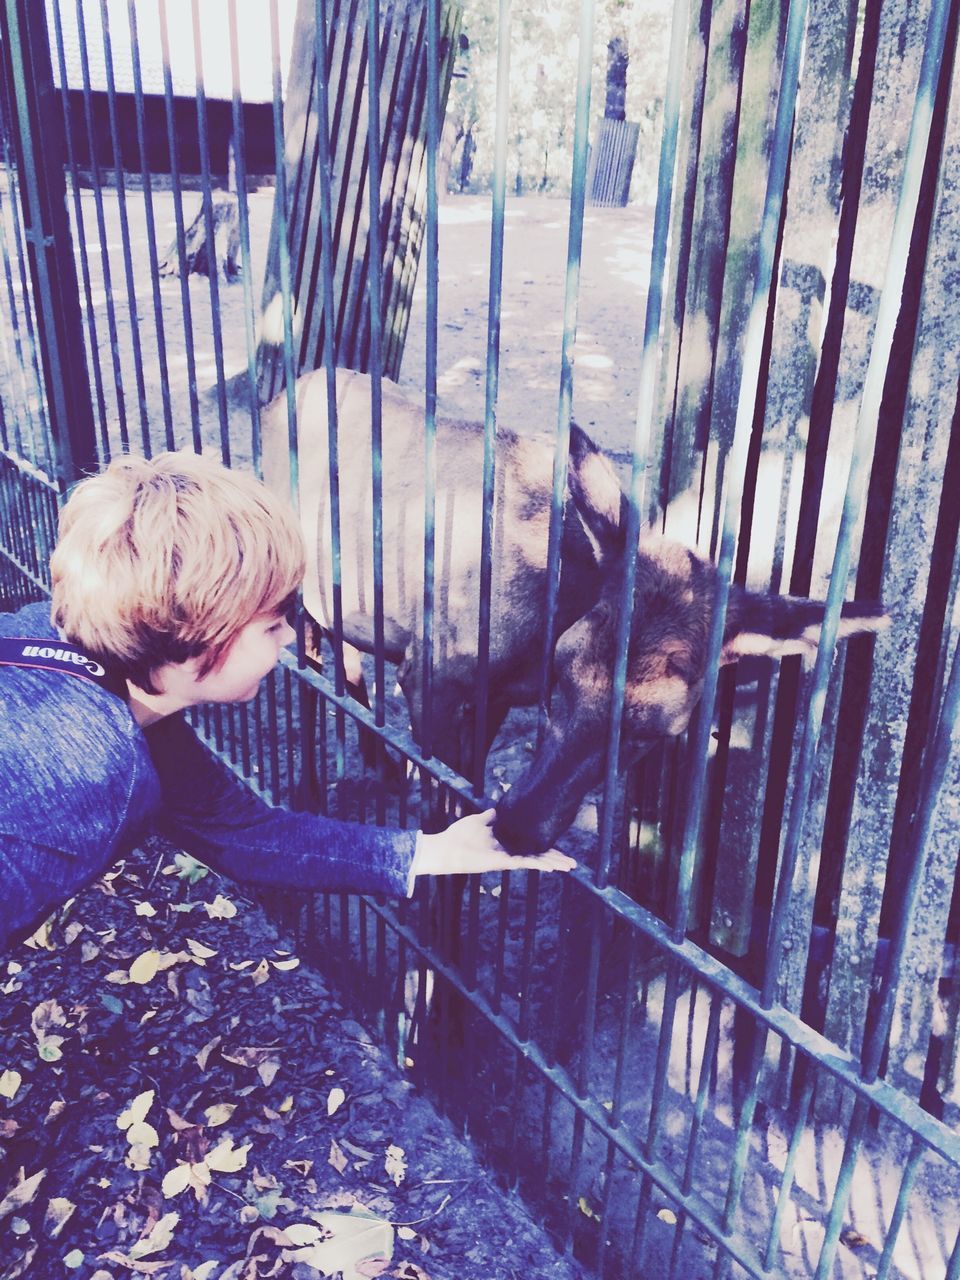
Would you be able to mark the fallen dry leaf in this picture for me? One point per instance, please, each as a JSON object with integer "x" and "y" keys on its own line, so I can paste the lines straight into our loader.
{"x": 219, "y": 1114}
{"x": 145, "y": 968}
{"x": 10, "y": 1082}
{"x": 22, "y": 1193}
{"x": 59, "y": 1211}
{"x": 137, "y": 1110}
{"x": 395, "y": 1164}
{"x": 220, "y": 908}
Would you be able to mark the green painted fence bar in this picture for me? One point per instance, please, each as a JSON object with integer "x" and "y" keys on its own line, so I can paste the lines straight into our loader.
{"x": 153, "y": 257}
{"x": 173, "y": 145}
{"x": 238, "y": 156}
{"x": 125, "y": 234}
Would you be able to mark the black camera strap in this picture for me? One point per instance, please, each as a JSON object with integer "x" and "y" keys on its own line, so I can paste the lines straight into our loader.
{"x": 58, "y": 655}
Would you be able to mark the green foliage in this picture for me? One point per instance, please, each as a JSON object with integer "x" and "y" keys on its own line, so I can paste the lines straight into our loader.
{"x": 544, "y": 49}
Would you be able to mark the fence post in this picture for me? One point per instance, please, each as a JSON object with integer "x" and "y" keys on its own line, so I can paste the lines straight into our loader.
{"x": 39, "y": 141}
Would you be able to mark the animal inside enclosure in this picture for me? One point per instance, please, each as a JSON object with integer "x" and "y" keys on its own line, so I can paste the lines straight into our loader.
{"x": 729, "y": 1043}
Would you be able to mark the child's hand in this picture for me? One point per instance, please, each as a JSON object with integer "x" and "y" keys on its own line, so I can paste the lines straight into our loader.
{"x": 469, "y": 846}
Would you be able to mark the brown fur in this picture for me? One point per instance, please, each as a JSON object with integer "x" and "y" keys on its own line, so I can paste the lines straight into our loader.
{"x": 674, "y": 596}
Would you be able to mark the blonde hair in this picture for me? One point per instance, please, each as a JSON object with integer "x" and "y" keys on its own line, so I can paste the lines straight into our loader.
{"x": 166, "y": 559}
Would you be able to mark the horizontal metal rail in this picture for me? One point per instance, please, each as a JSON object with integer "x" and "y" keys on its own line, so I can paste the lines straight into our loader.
{"x": 788, "y": 1026}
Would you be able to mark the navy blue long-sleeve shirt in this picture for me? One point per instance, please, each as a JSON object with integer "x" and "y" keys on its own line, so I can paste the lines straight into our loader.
{"x": 81, "y": 783}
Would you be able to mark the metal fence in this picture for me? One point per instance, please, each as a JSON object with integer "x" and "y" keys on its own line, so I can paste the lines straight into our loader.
{"x": 728, "y": 1044}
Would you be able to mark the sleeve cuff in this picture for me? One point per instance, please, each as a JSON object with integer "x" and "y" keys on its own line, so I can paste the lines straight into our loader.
{"x": 414, "y": 872}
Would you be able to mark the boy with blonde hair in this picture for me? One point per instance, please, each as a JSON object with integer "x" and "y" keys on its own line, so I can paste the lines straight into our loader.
{"x": 172, "y": 579}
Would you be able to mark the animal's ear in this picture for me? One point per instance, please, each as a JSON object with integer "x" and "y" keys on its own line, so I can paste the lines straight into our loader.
{"x": 596, "y": 493}
{"x": 775, "y": 626}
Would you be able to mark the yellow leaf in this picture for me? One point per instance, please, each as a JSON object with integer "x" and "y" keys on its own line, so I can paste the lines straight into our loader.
{"x": 201, "y": 1057}
{"x": 46, "y": 1015}
{"x": 49, "y": 1048}
{"x": 10, "y": 1082}
{"x": 667, "y": 1215}
{"x": 42, "y": 937}
{"x": 142, "y": 1134}
{"x": 335, "y": 1100}
{"x": 157, "y": 1239}
{"x": 220, "y": 908}
{"x": 285, "y": 965}
{"x": 58, "y": 1214}
{"x": 336, "y": 1157}
{"x": 198, "y": 949}
{"x": 145, "y": 909}
{"x": 225, "y": 1159}
{"x": 301, "y": 1233}
{"x": 138, "y": 1156}
{"x": 175, "y": 1180}
{"x": 395, "y": 1164}
{"x": 260, "y": 974}
{"x": 584, "y": 1207}
{"x": 267, "y": 1070}
{"x": 286, "y": 1104}
{"x": 144, "y": 968}
{"x": 406, "y": 1233}
{"x": 137, "y": 1110}
{"x": 22, "y": 1193}
{"x": 219, "y": 1114}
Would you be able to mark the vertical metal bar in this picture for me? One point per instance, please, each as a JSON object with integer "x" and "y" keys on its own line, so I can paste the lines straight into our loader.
{"x": 151, "y": 228}
{"x": 175, "y": 182}
{"x": 570, "y": 306}
{"x": 914, "y": 1160}
{"x": 643, "y": 430}
{"x": 953, "y": 1269}
{"x": 790, "y": 1164}
{"x": 430, "y": 397}
{"x": 83, "y": 253}
{"x": 273, "y": 740}
{"x": 125, "y": 230}
{"x": 492, "y": 386}
{"x": 34, "y": 399}
{"x": 212, "y": 272}
{"x": 616, "y": 1103}
{"x": 375, "y": 289}
{"x": 286, "y": 288}
{"x": 27, "y": 399}
{"x": 47, "y": 231}
{"x": 326, "y": 264}
{"x": 503, "y": 924}
{"x": 243, "y": 213}
{"x": 92, "y": 137}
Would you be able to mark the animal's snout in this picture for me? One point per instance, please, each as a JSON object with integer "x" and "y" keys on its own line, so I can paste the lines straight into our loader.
{"x": 515, "y": 836}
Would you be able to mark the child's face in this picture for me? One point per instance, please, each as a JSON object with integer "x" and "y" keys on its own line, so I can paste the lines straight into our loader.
{"x": 253, "y": 655}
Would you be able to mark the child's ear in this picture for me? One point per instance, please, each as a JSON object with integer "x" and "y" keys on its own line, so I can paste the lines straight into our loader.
{"x": 759, "y": 623}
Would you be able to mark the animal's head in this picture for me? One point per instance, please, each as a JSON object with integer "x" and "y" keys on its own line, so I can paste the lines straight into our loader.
{"x": 673, "y": 609}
